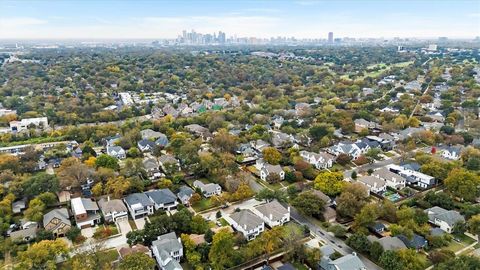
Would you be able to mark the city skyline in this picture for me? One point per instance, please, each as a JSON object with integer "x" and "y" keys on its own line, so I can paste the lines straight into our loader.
{"x": 261, "y": 19}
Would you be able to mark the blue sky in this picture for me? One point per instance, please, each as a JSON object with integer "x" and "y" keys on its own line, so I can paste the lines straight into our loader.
{"x": 302, "y": 18}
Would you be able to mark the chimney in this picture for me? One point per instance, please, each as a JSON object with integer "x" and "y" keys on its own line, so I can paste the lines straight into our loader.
{"x": 245, "y": 227}
{"x": 271, "y": 216}
{"x": 288, "y": 208}
{"x": 108, "y": 198}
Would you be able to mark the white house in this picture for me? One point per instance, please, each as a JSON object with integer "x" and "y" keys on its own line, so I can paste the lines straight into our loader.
{"x": 85, "y": 212}
{"x": 322, "y": 160}
{"x": 208, "y": 190}
{"x": 24, "y": 124}
{"x": 273, "y": 213}
{"x": 393, "y": 180}
{"x": 116, "y": 152}
{"x": 452, "y": 152}
{"x": 139, "y": 205}
{"x": 445, "y": 219}
{"x": 266, "y": 169}
{"x": 168, "y": 251}
{"x": 412, "y": 177}
{"x": 246, "y": 222}
{"x": 374, "y": 184}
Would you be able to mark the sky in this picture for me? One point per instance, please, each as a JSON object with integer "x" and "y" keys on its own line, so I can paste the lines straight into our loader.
{"x": 124, "y": 19}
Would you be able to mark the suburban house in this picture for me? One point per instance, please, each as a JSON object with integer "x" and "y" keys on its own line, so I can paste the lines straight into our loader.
{"x": 413, "y": 178}
{"x": 184, "y": 194}
{"x": 57, "y": 221}
{"x": 168, "y": 251}
{"x": 273, "y": 213}
{"x": 26, "y": 123}
{"x": 452, "y": 152}
{"x": 152, "y": 168}
{"x": 373, "y": 184}
{"x": 267, "y": 169}
{"x": 86, "y": 212}
{"x": 139, "y": 205}
{"x": 149, "y": 134}
{"x": 163, "y": 199}
{"x": 162, "y": 140}
{"x": 377, "y": 228}
{"x": 168, "y": 160}
{"x": 350, "y": 149}
{"x": 347, "y": 262}
{"x": 208, "y": 190}
{"x": 281, "y": 140}
{"x": 246, "y": 222}
{"x": 361, "y": 124}
{"x": 199, "y": 131}
{"x": 445, "y": 219}
{"x": 322, "y": 160}
{"x": 111, "y": 140}
{"x": 259, "y": 145}
{"x": 145, "y": 145}
{"x": 112, "y": 210}
{"x": 393, "y": 180}
{"x": 116, "y": 152}
{"x": 388, "y": 242}
{"x": 416, "y": 242}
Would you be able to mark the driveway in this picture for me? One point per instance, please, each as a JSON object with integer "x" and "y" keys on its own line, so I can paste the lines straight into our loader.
{"x": 88, "y": 232}
{"x": 248, "y": 204}
{"x": 124, "y": 226}
{"x": 140, "y": 223}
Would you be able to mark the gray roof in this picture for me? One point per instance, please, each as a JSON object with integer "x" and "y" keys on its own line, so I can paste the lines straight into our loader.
{"x": 150, "y": 134}
{"x": 185, "y": 191}
{"x": 167, "y": 243}
{"x": 140, "y": 198}
{"x": 416, "y": 242}
{"x": 386, "y": 174}
{"x": 391, "y": 243}
{"x": 273, "y": 208}
{"x": 247, "y": 218}
{"x": 162, "y": 140}
{"x": 150, "y": 163}
{"x": 209, "y": 188}
{"x": 144, "y": 143}
{"x": 110, "y": 206}
{"x": 61, "y": 213}
{"x": 22, "y": 234}
{"x": 162, "y": 196}
{"x": 167, "y": 159}
{"x": 448, "y": 216}
{"x": 371, "y": 181}
{"x": 273, "y": 168}
{"x": 348, "y": 262}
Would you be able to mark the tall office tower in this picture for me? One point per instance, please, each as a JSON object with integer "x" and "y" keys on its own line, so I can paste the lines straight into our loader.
{"x": 330, "y": 37}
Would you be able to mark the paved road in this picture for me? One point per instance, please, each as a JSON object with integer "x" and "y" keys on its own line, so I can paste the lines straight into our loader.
{"x": 336, "y": 243}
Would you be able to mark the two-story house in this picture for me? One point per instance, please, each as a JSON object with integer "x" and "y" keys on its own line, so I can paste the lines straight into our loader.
{"x": 86, "y": 212}
{"x": 57, "y": 221}
{"x": 393, "y": 180}
{"x": 145, "y": 145}
{"x": 273, "y": 213}
{"x": 163, "y": 199}
{"x": 139, "y": 205}
{"x": 445, "y": 219}
{"x": 322, "y": 160}
{"x": 113, "y": 210}
{"x": 452, "y": 152}
{"x": 246, "y": 222}
{"x": 152, "y": 168}
{"x": 116, "y": 152}
{"x": 184, "y": 194}
{"x": 373, "y": 184}
{"x": 168, "y": 251}
{"x": 208, "y": 190}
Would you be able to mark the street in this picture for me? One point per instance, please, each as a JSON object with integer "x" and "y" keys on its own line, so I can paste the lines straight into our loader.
{"x": 336, "y": 243}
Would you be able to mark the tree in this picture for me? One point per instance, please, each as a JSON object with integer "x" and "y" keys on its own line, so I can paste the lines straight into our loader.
{"x": 309, "y": 204}
{"x": 352, "y": 199}
{"x": 117, "y": 186}
{"x": 97, "y": 189}
{"x": 376, "y": 250}
{"x": 330, "y": 183}
{"x": 410, "y": 259}
{"x": 73, "y": 173}
{"x": 366, "y": 217}
{"x": 40, "y": 183}
{"x": 343, "y": 159}
{"x": 359, "y": 242}
{"x": 269, "y": 195}
{"x": 463, "y": 262}
{"x": 338, "y": 230}
{"x": 137, "y": 261}
{"x": 107, "y": 161}
{"x": 440, "y": 256}
{"x": 224, "y": 142}
{"x": 271, "y": 155}
{"x": 221, "y": 251}
{"x": 463, "y": 184}
{"x": 195, "y": 198}
{"x": 373, "y": 153}
{"x": 273, "y": 178}
{"x": 390, "y": 260}
{"x": 473, "y": 225}
{"x": 43, "y": 255}
{"x": 209, "y": 236}
{"x": 319, "y": 131}
{"x": 35, "y": 210}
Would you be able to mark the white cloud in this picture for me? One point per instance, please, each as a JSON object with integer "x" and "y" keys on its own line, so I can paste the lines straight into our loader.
{"x": 15, "y": 22}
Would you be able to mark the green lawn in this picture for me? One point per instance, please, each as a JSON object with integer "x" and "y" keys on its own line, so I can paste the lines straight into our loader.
{"x": 454, "y": 246}
{"x": 388, "y": 154}
{"x": 299, "y": 266}
{"x": 204, "y": 204}
{"x": 223, "y": 222}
